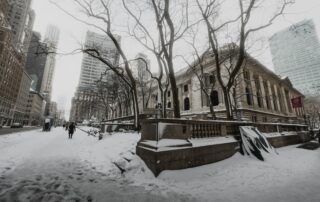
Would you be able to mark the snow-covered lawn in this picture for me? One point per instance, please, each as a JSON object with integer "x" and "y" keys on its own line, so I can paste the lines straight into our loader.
{"x": 47, "y": 166}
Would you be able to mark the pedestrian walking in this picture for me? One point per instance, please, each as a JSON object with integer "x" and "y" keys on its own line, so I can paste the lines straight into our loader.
{"x": 67, "y": 126}
{"x": 72, "y": 129}
{"x": 319, "y": 136}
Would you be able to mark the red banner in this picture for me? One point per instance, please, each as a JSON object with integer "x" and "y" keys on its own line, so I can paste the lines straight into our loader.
{"x": 296, "y": 102}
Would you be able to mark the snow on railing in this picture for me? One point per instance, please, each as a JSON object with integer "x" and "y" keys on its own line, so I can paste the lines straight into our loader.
{"x": 156, "y": 129}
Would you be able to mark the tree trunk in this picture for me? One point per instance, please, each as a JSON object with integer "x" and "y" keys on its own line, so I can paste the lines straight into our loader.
{"x": 175, "y": 96}
{"x": 135, "y": 108}
{"x": 164, "y": 100}
{"x": 213, "y": 114}
{"x": 227, "y": 103}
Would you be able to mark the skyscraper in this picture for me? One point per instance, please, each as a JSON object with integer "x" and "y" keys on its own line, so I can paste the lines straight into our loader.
{"x": 36, "y": 61}
{"x": 21, "y": 19}
{"x": 86, "y": 104}
{"x": 51, "y": 40}
{"x": 296, "y": 54}
{"x": 92, "y": 68}
{"x": 28, "y": 31}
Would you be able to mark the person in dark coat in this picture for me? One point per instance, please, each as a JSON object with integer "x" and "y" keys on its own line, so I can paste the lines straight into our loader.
{"x": 72, "y": 129}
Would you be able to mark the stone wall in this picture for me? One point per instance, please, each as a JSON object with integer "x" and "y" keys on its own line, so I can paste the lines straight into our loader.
{"x": 175, "y": 156}
{"x": 282, "y": 141}
{"x": 185, "y": 157}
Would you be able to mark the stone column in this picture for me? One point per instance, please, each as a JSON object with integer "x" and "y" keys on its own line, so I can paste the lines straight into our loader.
{"x": 270, "y": 95}
{"x": 277, "y": 97}
{"x": 284, "y": 99}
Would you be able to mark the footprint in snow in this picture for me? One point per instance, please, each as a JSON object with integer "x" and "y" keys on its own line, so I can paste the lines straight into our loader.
{"x": 38, "y": 177}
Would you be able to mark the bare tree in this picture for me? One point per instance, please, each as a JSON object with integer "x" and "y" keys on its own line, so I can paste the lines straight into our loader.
{"x": 312, "y": 110}
{"x": 161, "y": 45}
{"x": 100, "y": 10}
{"x": 206, "y": 79}
{"x": 210, "y": 10}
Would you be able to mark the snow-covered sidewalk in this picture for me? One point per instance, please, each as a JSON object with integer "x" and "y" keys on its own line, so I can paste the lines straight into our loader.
{"x": 47, "y": 166}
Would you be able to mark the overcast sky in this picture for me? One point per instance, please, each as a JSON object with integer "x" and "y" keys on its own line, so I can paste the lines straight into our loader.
{"x": 72, "y": 33}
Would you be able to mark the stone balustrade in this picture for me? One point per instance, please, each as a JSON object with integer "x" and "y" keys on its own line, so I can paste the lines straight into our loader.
{"x": 156, "y": 129}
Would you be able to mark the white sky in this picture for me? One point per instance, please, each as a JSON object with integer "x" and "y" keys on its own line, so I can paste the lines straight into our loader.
{"x": 72, "y": 33}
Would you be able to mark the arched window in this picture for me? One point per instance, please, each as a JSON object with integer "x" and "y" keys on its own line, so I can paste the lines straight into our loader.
{"x": 186, "y": 104}
{"x": 214, "y": 97}
{"x": 248, "y": 95}
{"x": 169, "y": 104}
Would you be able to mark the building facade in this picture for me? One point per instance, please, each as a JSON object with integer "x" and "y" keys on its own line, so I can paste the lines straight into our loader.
{"x": 11, "y": 71}
{"x": 20, "y": 108}
{"x": 259, "y": 95}
{"x": 35, "y": 108}
{"x": 28, "y": 31}
{"x": 86, "y": 104}
{"x": 21, "y": 20}
{"x": 91, "y": 68}
{"x": 296, "y": 54}
{"x": 4, "y": 7}
{"x": 36, "y": 61}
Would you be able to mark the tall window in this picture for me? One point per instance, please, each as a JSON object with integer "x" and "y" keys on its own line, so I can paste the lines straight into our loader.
{"x": 281, "y": 101}
{"x": 249, "y": 96}
{"x": 258, "y": 93}
{"x": 186, "y": 104}
{"x": 246, "y": 75}
{"x": 185, "y": 87}
{"x": 212, "y": 79}
{"x": 214, "y": 97}
{"x": 266, "y": 90}
{"x": 209, "y": 80}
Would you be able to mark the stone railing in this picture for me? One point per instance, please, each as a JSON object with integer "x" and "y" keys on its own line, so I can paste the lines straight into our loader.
{"x": 115, "y": 127}
{"x": 156, "y": 129}
{"x": 147, "y": 113}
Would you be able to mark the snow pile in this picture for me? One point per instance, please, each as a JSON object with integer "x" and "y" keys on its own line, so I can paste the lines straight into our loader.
{"x": 277, "y": 134}
{"x": 254, "y": 143}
